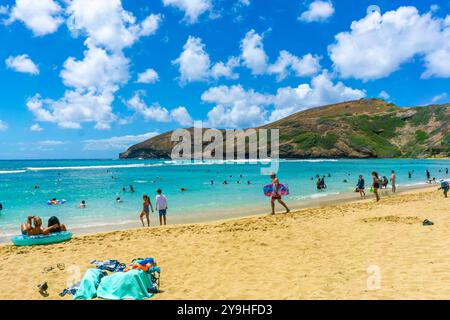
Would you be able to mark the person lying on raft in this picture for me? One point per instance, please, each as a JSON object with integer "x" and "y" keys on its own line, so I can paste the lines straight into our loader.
{"x": 32, "y": 227}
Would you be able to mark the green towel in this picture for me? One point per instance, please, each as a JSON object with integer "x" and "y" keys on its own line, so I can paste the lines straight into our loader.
{"x": 89, "y": 284}
{"x": 133, "y": 284}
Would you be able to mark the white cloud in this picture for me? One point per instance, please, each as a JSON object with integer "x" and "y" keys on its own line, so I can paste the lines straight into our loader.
{"x": 107, "y": 23}
{"x": 94, "y": 80}
{"x": 253, "y": 55}
{"x": 439, "y": 98}
{"x": 308, "y": 65}
{"x": 148, "y": 76}
{"x": 116, "y": 143}
{"x": 74, "y": 108}
{"x": 36, "y": 128}
{"x": 98, "y": 70}
{"x": 51, "y": 143}
{"x": 384, "y": 95}
{"x": 255, "y": 58}
{"x": 22, "y": 63}
{"x": 321, "y": 91}
{"x": 318, "y": 11}
{"x": 378, "y": 45}
{"x": 150, "y": 24}
{"x": 193, "y": 9}
{"x": 3, "y": 126}
{"x": 156, "y": 112}
{"x": 153, "y": 112}
{"x": 194, "y": 63}
{"x": 40, "y": 16}
{"x": 181, "y": 115}
{"x": 226, "y": 70}
{"x": 237, "y": 107}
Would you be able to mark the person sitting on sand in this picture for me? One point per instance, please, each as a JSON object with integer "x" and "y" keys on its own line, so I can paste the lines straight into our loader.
{"x": 161, "y": 206}
{"x": 146, "y": 204}
{"x": 444, "y": 187}
{"x": 376, "y": 184}
{"x": 393, "y": 178}
{"x": 82, "y": 204}
{"x": 54, "y": 225}
{"x": 360, "y": 186}
{"x": 32, "y": 227}
{"x": 276, "y": 195}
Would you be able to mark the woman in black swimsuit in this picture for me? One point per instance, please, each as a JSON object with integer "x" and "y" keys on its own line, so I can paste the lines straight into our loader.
{"x": 376, "y": 184}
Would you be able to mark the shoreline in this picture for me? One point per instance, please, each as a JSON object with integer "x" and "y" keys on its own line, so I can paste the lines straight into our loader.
{"x": 249, "y": 211}
{"x": 324, "y": 252}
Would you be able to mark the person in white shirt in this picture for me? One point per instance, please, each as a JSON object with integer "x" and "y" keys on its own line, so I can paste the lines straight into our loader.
{"x": 161, "y": 206}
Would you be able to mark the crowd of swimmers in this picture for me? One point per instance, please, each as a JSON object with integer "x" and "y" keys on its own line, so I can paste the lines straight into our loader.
{"x": 33, "y": 226}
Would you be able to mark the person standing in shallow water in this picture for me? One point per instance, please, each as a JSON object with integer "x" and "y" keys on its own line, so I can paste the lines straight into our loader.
{"x": 146, "y": 205}
{"x": 393, "y": 178}
{"x": 276, "y": 195}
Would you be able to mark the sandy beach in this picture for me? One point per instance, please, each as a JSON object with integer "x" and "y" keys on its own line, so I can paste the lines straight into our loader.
{"x": 330, "y": 252}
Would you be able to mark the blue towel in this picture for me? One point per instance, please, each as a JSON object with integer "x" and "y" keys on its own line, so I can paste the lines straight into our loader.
{"x": 134, "y": 285}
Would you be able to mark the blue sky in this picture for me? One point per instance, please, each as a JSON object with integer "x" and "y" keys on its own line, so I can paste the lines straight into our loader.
{"x": 87, "y": 79}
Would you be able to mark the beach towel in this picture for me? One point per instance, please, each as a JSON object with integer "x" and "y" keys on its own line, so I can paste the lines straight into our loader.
{"x": 109, "y": 265}
{"x": 134, "y": 285}
{"x": 89, "y": 284}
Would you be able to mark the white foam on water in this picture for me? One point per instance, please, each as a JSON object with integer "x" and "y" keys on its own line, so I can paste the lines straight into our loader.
{"x": 121, "y": 166}
{"x": 12, "y": 171}
{"x": 317, "y": 196}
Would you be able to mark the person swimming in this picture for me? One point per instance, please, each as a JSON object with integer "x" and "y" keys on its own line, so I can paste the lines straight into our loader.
{"x": 131, "y": 188}
{"x": 82, "y": 204}
{"x": 119, "y": 200}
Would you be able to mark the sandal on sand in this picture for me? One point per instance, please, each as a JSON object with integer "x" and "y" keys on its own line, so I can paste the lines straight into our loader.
{"x": 48, "y": 269}
{"x": 427, "y": 222}
{"x": 43, "y": 287}
{"x": 61, "y": 266}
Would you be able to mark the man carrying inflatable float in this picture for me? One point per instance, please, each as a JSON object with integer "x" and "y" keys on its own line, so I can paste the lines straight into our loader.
{"x": 275, "y": 190}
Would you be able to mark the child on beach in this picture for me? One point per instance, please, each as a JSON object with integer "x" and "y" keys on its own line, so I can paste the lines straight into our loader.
{"x": 146, "y": 204}
{"x": 276, "y": 196}
{"x": 161, "y": 206}
{"x": 445, "y": 187}
{"x": 360, "y": 187}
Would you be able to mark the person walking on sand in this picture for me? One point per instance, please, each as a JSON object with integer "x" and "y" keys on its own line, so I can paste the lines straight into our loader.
{"x": 444, "y": 187}
{"x": 146, "y": 204}
{"x": 393, "y": 178}
{"x": 276, "y": 195}
{"x": 360, "y": 186}
{"x": 376, "y": 184}
{"x": 161, "y": 206}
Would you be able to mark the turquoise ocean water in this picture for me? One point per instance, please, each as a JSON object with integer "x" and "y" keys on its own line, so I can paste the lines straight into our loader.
{"x": 99, "y": 182}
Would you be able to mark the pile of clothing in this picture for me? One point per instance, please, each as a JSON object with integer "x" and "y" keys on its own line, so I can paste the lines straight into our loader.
{"x": 139, "y": 280}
